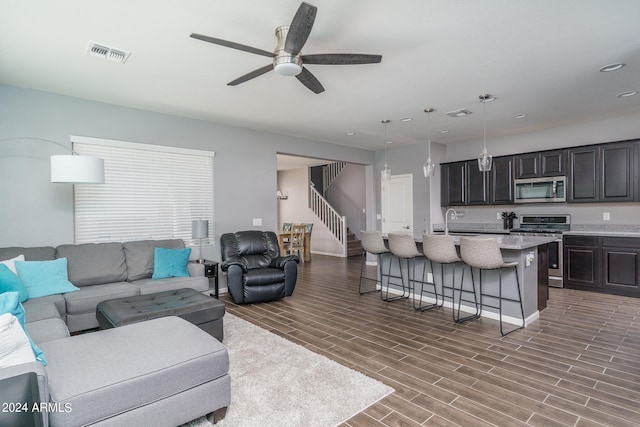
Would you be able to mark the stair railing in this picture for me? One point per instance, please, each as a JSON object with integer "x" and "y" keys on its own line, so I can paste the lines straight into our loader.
{"x": 330, "y": 172}
{"x": 336, "y": 223}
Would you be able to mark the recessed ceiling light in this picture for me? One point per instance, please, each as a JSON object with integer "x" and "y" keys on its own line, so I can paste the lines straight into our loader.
{"x": 612, "y": 67}
{"x": 628, "y": 94}
{"x": 487, "y": 98}
{"x": 406, "y": 119}
{"x": 519, "y": 116}
{"x": 351, "y": 133}
{"x": 462, "y": 112}
{"x": 444, "y": 130}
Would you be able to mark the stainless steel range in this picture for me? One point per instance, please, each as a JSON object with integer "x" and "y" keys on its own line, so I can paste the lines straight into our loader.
{"x": 551, "y": 226}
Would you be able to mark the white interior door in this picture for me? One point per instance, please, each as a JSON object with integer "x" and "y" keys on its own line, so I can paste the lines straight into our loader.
{"x": 397, "y": 204}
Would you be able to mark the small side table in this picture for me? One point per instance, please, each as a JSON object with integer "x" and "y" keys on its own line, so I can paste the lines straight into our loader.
{"x": 210, "y": 271}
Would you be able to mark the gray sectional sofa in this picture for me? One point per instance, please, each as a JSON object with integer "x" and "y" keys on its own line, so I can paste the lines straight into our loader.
{"x": 162, "y": 372}
{"x": 104, "y": 271}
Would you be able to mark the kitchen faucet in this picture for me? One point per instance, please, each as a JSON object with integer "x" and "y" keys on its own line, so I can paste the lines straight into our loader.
{"x": 446, "y": 219}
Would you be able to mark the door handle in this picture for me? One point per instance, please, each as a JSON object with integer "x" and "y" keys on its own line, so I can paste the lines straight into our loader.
{"x": 406, "y": 227}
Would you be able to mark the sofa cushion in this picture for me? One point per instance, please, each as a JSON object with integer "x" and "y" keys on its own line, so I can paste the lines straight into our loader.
{"x": 15, "y": 348}
{"x": 263, "y": 276}
{"x": 164, "y": 357}
{"x": 149, "y": 286}
{"x": 170, "y": 263}
{"x": 42, "y": 253}
{"x": 139, "y": 256}
{"x": 34, "y": 313}
{"x": 41, "y": 308}
{"x": 10, "y": 263}
{"x": 94, "y": 263}
{"x": 43, "y": 278}
{"x": 47, "y": 330}
{"x": 10, "y": 282}
{"x": 10, "y": 303}
{"x": 88, "y": 298}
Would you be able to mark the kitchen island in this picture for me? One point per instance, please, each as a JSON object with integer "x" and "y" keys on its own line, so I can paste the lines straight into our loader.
{"x": 530, "y": 252}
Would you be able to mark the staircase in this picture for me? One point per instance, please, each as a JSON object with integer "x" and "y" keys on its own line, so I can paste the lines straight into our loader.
{"x": 354, "y": 248}
{"x": 335, "y": 223}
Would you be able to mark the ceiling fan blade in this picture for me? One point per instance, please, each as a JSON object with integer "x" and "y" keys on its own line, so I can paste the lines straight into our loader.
{"x": 251, "y": 75}
{"x": 310, "y": 81}
{"x": 300, "y": 28}
{"x": 341, "y": 59}
{"x": 232, "y": 45}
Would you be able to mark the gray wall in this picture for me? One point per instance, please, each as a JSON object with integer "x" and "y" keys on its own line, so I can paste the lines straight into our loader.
{"x": 409, "y": 159}
{"x": 36, "y": 212}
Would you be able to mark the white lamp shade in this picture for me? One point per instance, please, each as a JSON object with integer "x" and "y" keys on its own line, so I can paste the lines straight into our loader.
{"x": 200, "y": 229}
{"x": 77, "y": 169}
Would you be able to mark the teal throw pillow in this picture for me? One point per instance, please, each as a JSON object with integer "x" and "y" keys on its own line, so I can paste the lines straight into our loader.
{"x": 42, "y": 278}
{"x": 10, "y": 303}
{"x": 10, "y": 282}
{"x": 170, "y": 263}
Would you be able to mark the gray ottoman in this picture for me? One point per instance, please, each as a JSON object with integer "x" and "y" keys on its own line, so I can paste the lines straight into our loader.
{"x": 189, "y": 304}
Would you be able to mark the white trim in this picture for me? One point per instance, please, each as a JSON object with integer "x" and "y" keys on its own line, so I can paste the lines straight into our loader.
{"x": 139, "y": 146}
{"x": 485, "y": 313}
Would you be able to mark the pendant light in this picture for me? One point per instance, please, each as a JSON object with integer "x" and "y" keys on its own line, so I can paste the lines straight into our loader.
{"x": 429, "y": 167}
{"x": 485, "y": 160}
{"x": 385, "y": 173}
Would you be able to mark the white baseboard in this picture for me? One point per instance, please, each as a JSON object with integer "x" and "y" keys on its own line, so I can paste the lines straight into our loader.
{"x": 488, "y": 314}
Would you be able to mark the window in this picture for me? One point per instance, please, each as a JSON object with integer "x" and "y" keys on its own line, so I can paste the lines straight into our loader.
{"x": 150, "y": 192}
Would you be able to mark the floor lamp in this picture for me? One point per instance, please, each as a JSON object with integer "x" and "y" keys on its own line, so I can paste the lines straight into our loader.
{"x": 200, "y": 230}
{"x": 71, "y": 168}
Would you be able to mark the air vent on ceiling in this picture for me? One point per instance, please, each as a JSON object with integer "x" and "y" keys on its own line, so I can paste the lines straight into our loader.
{"x": 463, "y": 112}
{"x": 108, "y": 53}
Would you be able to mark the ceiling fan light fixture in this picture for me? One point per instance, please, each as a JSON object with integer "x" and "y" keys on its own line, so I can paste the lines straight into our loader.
{"x": 287, "y": 69}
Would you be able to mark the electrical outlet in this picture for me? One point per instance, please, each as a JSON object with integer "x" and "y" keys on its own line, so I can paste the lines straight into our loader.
{"x": 498, "y": 216}
{"x": 529, "y": 258}
{"x": 606, "y": 216}
{"x": 429, "y": 277}
{"x": 257, "y": 222}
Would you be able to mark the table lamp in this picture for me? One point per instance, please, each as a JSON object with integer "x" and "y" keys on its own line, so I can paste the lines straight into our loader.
{"x": 200, "y": 230}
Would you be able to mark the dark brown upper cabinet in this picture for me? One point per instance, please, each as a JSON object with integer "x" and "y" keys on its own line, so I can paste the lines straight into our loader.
{"x": 542, "y": 163}
{"x": 502, "y": 187}
{"x": 617, "y": 171}
{"x": 602, "y": 173}
{"x": 453, "y": 183}
{"x": 477, "y": 184}
{"x": 584, "y": 176}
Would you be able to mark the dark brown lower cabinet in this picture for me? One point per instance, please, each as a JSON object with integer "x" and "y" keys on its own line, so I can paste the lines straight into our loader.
{"x": 603, "y": 264}
{"x": 582, "y": 262}
{"x": 620, "y": 258}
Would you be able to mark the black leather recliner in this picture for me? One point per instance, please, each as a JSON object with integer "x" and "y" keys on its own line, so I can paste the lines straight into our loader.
{"x": 255, "y": 270}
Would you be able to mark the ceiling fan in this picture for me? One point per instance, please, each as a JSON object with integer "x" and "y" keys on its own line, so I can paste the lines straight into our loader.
{"x": 287, "y": 59}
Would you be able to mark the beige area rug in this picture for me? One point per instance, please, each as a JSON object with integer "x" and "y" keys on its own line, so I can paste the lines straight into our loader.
{"x": 275, "y": 382}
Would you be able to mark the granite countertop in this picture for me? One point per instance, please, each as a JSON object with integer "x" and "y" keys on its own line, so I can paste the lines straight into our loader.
{"x": 517, "y": 243}
{"x": 602, "y": 233}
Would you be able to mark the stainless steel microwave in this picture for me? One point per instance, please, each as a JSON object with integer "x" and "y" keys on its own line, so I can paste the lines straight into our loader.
{"x": 541, "y": 190}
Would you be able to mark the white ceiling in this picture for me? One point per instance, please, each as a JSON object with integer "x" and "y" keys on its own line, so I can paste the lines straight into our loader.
{"x": 538, "y": 57}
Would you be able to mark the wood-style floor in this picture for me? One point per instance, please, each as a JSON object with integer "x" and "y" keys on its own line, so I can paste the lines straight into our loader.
{"x": 578, "y": 365}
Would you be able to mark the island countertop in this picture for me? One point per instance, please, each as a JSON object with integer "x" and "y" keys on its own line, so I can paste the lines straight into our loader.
{"x": 517, "y": 243}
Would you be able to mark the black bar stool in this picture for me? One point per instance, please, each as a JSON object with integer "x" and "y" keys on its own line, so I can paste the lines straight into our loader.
{"x": 484, "y": 254}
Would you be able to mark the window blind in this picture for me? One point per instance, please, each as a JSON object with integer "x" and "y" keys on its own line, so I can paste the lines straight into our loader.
{"x": 150, "y": 192}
